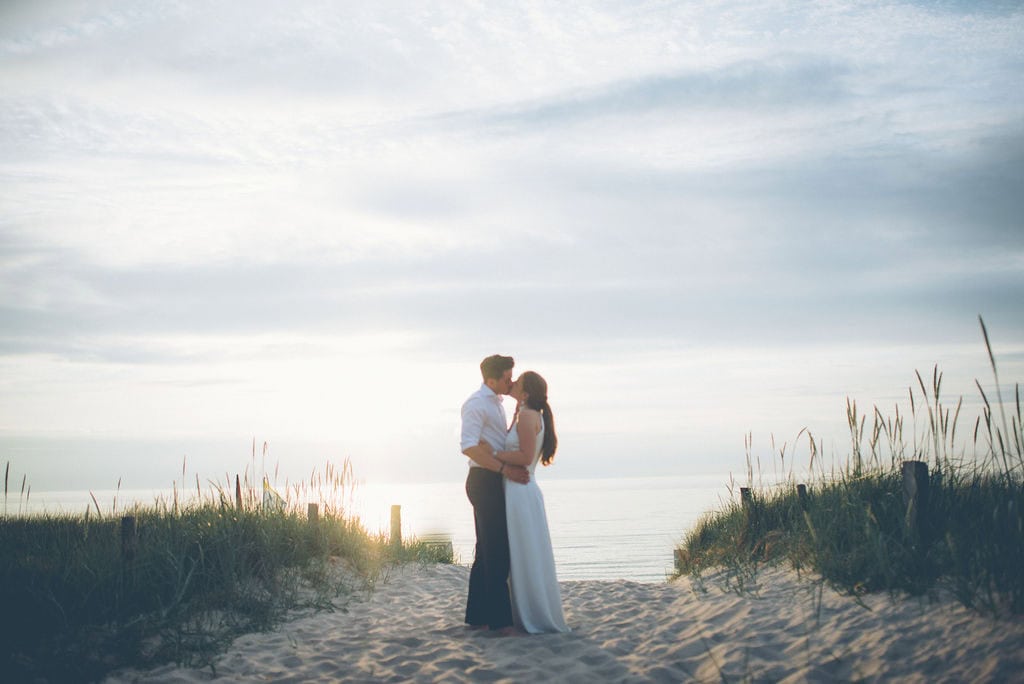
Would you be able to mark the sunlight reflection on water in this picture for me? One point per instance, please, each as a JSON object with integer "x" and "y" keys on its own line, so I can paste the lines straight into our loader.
{"x": 600, "y": 529}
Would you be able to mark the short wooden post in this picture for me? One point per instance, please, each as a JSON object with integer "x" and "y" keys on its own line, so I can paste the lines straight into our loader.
{"x": 915, "y": 497}
{"x": 679, "y": 557}
{"x": 801, "y": 494}
{"x": 238, "y": 493}
{"x": 313, "y": 512}
{"x": 396, "y": 525}
{"x": 747, "y": 501}
{"x": 127, "y": 538}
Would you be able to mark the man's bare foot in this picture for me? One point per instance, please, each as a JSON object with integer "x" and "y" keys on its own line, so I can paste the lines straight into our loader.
{"x": 509, "y": 631}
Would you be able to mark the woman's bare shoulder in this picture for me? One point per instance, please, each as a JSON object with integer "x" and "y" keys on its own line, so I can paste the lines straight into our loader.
{"x": 529, "y": 417}
{"x": 529, "y": 413}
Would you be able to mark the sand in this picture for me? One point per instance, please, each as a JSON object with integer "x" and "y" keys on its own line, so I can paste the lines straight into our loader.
{"x": 780, "y": 628}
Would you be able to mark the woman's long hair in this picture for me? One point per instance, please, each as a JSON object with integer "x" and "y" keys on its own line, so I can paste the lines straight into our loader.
{"x": 536, "y": 389}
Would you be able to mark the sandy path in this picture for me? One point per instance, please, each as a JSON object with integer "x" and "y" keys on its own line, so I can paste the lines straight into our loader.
{"x": 410, "y": 629}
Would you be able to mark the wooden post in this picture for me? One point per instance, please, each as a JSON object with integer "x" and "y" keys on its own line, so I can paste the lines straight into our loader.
{"x": 238, "y": 493}
{"x": 313, "y": 512}
{"x": 801, "y": 494}
{"x": 396, "y": 525}
{"x": 127, "y": 538}
{"x": 747, "y": 501}
{"x": 915, "y": 497}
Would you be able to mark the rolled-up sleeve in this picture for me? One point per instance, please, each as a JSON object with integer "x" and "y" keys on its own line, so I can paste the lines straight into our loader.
{"x": 473, "y": 412}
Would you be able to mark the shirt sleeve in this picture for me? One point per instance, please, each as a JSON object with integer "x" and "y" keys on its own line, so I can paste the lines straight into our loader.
{"x": 472, "y": 423}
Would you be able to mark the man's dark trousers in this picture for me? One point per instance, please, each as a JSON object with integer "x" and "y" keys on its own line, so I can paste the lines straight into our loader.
{"x": 489, "y": 603}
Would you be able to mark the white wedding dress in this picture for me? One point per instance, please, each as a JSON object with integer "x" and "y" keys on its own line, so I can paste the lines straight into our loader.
{"x": 536, "y": 598}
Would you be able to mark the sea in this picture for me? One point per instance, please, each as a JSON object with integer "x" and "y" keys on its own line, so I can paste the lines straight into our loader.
{"x": 601, "y": 529}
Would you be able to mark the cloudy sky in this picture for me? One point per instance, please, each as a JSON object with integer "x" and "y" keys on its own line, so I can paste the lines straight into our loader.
{"x": 305, "y": 223}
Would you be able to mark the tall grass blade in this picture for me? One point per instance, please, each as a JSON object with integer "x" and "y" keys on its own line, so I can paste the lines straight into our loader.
{"x": 988, "y": 346}
{"x": 999, "y": 392}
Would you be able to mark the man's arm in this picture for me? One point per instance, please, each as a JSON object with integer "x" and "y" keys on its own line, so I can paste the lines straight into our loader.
{"x": 473, "y": 416}
{"x": 484, "y": 456}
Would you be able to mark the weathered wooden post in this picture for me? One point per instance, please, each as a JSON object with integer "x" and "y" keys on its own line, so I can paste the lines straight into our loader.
{"x": 396, "y": 525}
{"x": 915, "y": 498}
{"x": 801, "y": 494}
{"x": 238, "y": 493}
{"x": 127, "y": 538}
{"x": 313, "y": 512}
{"x": 679, "y": 558}
{"x": 747, "y": 501}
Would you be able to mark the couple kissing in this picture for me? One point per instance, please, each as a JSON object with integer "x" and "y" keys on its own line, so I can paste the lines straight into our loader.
{"x": 512, "y": 584}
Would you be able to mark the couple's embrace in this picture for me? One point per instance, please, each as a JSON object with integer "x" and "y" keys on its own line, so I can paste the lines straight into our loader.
{"x": 512, "y": 584}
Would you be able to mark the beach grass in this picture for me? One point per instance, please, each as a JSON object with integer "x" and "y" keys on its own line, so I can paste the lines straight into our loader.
{"x": 855, "y": 526}
{"x": 84, "y": 594}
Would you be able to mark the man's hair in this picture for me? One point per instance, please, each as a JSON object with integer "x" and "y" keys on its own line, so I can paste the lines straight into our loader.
{"x": 495, "y": 366}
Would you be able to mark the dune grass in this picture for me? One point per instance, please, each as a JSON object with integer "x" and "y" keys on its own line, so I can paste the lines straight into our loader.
{"x": 83, "y": 594}
{"x": 854, "y": 528}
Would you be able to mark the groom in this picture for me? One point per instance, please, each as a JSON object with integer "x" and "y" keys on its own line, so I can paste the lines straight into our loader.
{"x": 483, "y": 419}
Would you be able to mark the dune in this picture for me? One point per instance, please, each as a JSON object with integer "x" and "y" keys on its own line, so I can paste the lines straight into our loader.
{"x": 779, "y": 627}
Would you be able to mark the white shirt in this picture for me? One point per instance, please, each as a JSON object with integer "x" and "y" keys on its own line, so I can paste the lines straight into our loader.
{"x": 483, "y": 418}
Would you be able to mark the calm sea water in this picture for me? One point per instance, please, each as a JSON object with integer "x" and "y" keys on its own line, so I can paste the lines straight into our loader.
{"x": 609, "y": 529}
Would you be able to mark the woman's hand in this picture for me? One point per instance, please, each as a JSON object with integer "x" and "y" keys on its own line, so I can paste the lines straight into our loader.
{"x": 516, "y": 473}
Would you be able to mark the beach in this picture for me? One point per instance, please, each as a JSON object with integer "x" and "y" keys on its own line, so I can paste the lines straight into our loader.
{"x": 779, "y": 627}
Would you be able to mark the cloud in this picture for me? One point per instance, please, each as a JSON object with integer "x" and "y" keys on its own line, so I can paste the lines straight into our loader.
{"x": 863, "y": 246}
{"x": 784, "y": 82}
{"x": 241, "y": 199}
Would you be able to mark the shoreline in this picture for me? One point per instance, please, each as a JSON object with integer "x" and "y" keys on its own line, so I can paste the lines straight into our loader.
{"x": 781, "y": 628}
{"x": 601, "y": 529}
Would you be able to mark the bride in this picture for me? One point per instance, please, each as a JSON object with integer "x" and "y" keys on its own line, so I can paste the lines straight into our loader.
{"x": 536, "y": 599}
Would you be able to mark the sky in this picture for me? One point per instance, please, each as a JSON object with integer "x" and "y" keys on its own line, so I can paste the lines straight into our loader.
{"x": 304, "y": 224}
